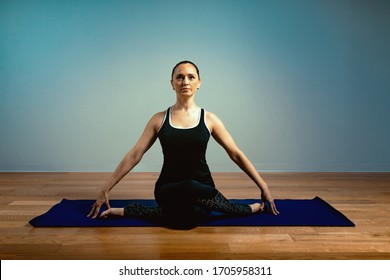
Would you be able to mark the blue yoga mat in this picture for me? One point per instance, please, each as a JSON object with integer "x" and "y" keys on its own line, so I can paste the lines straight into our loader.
{"x": 293, "y": 212}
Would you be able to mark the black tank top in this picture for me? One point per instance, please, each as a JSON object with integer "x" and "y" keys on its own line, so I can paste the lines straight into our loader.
{"x": 184, "y": 151}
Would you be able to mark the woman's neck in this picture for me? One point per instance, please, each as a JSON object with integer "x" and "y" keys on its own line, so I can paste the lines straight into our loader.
{"x": 185, "y": 105}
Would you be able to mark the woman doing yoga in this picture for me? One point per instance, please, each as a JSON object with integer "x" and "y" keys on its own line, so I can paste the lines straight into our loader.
{"x": 185, "y": 182}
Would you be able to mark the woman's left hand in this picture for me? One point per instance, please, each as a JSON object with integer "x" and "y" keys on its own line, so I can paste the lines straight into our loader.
{"x": 268, "y": 202}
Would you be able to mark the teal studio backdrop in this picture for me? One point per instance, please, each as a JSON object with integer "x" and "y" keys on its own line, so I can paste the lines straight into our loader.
{"x": 301, "y": 85}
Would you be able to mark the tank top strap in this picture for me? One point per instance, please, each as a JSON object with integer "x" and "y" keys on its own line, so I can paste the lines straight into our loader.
{"x": 203, "y": 120}
{"x": 166, "y": 119}
{"x": 167, "y": 115}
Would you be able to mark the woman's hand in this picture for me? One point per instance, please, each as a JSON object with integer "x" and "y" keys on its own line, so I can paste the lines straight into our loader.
{"x": 268, "y": 202}
{"x": 102, "y": 199}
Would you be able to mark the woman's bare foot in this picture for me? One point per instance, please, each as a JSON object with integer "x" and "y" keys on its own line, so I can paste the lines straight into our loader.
{"x": 256, "y": 207}
{"x": 113, "y": 212}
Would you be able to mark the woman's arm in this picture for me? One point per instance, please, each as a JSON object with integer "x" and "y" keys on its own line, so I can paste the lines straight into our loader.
{"x": 129, "y": 161}
{"x": 223, "y": 137}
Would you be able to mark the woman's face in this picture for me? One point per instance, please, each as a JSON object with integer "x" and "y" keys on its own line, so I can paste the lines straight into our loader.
{"x": 185, "y": 80}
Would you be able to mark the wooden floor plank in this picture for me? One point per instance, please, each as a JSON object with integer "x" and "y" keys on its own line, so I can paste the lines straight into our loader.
{"x": 363, "y": 197}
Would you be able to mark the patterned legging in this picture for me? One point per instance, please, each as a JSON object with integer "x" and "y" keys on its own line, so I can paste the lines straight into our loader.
{"x": 183, "y": 198}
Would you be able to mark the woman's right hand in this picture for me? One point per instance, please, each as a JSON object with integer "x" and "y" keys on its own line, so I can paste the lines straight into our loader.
{"x": 102, "y": 199}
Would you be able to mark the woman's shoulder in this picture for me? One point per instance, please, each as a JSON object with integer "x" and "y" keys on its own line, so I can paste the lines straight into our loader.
{"x": 159, "y": 115}
{"x": 212, "y": 120}
{"x": 210, "y": 116}
{"x": 157, "y": 119}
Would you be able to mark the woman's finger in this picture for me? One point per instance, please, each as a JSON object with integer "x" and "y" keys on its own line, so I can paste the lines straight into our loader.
{"x": 92, "y": 211}
{"x": 95, "y": 211}
{"x": 274, "y": 210}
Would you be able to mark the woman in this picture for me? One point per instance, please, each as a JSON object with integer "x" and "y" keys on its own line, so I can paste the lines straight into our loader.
{"x": 185, "y": 184}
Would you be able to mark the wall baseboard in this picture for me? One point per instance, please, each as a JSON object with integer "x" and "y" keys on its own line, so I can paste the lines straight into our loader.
{"x": 262, "y": 167}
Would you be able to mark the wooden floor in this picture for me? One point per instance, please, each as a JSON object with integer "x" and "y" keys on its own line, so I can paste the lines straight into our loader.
{"x": 363, "y": 197}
